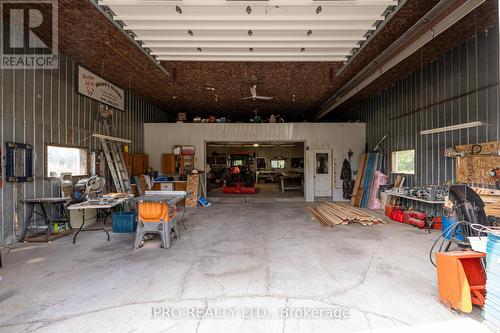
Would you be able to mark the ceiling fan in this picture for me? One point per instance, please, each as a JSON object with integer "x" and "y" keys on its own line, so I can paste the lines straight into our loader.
{"x": 254, "y": 96}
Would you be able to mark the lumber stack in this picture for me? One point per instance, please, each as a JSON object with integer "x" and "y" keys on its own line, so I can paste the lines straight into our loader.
{"x": 491, "y": 199}
{"x": 330, "y": 214}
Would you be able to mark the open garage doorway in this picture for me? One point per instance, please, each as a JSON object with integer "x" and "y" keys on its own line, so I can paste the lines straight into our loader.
{"x": 255, "y": 169}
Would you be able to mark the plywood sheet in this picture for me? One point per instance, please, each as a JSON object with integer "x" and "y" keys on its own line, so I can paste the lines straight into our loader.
{"x": 474, "y": 168}
{"x": 193, "y": 182}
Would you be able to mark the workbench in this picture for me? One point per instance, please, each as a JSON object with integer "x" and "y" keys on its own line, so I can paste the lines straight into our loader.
{"x": 266, "y": 175}
{"x": 98, "y": 205}
{"x": 291, "y": 181}
{"x": 50, "y": 210}
{"x": 430, "y": 202}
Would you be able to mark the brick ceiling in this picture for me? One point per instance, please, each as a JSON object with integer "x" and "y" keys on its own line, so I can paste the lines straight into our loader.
{"x": 299, "y": 89}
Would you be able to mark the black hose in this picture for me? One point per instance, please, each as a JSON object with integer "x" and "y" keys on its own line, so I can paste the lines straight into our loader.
{"x": 453, "y": 228}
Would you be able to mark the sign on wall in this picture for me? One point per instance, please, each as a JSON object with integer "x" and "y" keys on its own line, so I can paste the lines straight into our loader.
{"x": 99, "y": 89}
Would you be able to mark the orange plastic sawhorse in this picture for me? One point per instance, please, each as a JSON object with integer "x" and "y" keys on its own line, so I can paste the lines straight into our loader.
{"x": 461, "y": 279}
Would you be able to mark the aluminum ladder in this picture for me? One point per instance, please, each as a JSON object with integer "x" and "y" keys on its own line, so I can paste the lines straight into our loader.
{"x": 116, "y": 163}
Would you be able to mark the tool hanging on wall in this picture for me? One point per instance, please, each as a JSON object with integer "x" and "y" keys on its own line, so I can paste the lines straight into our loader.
{"x": 19, "y": 162}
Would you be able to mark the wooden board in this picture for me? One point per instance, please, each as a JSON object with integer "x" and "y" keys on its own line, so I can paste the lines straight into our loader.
{"x": 491, "y": 199}
{"x": 330, "y": 214}
{"x": 362, "y": 184}
{"x": 370, "y": 168}
{"x": 359, "y": 175}
{"x": 474, "y": 168}
{"x": 400, "y": 180}
{"x": 192, "y": 188}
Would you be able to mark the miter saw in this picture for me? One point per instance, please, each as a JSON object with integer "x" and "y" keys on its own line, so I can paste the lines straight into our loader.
{"x": 88, "y": 188}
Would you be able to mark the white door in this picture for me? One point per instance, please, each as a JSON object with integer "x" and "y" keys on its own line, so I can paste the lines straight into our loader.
{"x": 322, "y": 173}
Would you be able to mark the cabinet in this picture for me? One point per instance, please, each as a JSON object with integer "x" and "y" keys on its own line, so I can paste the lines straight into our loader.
{"x": 177, "y": 164}
{"x": 127, "y": 158}
{"x": 168, "y": 164}
{"x": 140, "y": 164}
{"x": 185, "y": 164}
{"x": 136, "y": 164}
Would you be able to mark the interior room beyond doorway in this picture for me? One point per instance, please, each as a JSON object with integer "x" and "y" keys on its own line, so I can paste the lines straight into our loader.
{"x": 255, "y": 169}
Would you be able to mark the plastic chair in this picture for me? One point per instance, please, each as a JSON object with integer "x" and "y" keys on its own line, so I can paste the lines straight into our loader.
{"x": 156, "y": 218}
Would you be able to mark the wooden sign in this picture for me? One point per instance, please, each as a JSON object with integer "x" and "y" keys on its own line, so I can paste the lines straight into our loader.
{"x": 93, "y": 86}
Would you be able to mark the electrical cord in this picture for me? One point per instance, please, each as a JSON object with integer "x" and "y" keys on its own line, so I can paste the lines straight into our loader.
{"x": 481, "y": 229}
{"x": 452, "y": 228}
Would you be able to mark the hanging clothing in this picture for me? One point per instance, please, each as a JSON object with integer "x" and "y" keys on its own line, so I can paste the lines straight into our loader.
{"x": 346, "y": 176}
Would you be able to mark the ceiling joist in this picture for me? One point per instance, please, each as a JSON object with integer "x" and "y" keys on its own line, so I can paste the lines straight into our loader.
{"x": 287, "y": 3}
{"x": 235, "y": 29}
{"x": 255, "y": 58}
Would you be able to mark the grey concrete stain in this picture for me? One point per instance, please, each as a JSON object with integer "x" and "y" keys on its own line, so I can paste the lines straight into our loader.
{"x": 244, "y": 255}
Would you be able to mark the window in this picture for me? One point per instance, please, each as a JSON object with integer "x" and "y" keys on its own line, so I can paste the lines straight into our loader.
{"x": 65, "y": 159}
{"x": 403, "y": 161}
{"x": 297, "y": 163}
{"x": 278, "y": 164}
{"x": 322, "y": 164}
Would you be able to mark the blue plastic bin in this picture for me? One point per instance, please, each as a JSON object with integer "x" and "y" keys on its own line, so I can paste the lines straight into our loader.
{"x": 124, "y": 222}
{"x": 491, "y": 309}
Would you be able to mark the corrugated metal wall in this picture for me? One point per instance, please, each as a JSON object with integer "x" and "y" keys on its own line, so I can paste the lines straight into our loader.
{"x": 43, "y": 106}
{"x": 461, "y": 86}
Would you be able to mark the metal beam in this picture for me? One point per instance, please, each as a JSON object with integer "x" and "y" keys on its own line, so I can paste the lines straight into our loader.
{"x": 252, "y": 3}
{"x": 280, "y": 58}
{"x": 245, "y": 38}
{"x": 184, "y": 26}
{"x": 251, "y": 43}
{"x": 250, "y": 54}
{"x": 388, "y": 18}
{"x": 251, "y": 18}
{"x": 434, "y": 23}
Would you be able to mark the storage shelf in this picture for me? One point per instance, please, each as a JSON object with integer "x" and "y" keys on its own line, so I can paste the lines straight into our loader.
{"x": 432, "y": 202}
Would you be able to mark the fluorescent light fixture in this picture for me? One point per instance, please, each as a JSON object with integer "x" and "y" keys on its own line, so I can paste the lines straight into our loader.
{"x": 452, "y": 127}
{"x": 255, "y": 144}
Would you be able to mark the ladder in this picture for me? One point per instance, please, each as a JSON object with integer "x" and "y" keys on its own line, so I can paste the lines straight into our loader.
{"x": 116, "y": 163}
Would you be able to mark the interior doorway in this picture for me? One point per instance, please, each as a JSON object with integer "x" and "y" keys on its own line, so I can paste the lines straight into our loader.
{"x": 255, "y": 169}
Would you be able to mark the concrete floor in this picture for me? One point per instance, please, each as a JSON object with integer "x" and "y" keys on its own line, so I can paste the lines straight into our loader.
{"x": 245, "y": 263}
